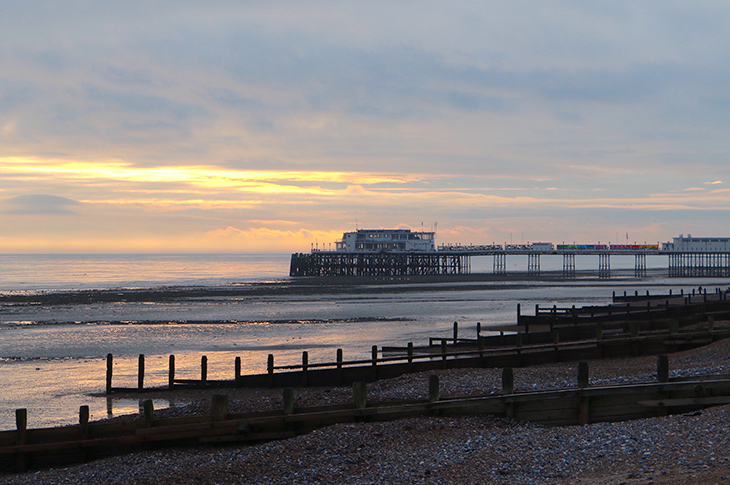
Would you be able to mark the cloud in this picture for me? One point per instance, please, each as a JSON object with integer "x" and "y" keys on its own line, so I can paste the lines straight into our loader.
{"x": 38, "y": 204}
{"x": 277, "y": 116}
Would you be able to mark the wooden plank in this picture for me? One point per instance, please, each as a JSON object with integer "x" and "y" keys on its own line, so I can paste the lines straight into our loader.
{"x": 689, "y": 401}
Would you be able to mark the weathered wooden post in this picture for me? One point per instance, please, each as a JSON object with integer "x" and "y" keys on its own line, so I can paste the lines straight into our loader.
{"x": 634, "y": 329}
{"x": 305, "y": 367}
{"x": 374, "y": 359}
{"x": 555, "y": 334}
{"x": 673, "y": 325}
{"x": 584, "y": 409}
{"x": 583, "y": 401}
{"x": 508, "y": 381}
{"x": 480, "y": 346}
{"x": 574, "y": 315}
{"x": 508, "y": 387}
{"x": 109, "y": 365}
{"x": 171, "y": 373}
{"x": 288, "y": 398}
{"x": 433, "y": 388}
{"x": 270, "y": 369}
{"x": 237, "y": 370}
{"x": 456, "y": 332}
{"x": 582, "y": 374}
{"x": 443, "y": 350}
{"x": 21, "y": 424}
{"x": 359, "y": 394}
{"x": 339, "y": 366}
{"x": 204, "y": 371}
{"x": 140, "y": 372}
{"x": 662, "y": 368}
{"x": 84, "y": 421}
{"x": 479, "y": 328}
{"x": 519, "y": 313}
{"x": 148, "y": 408}
{"x": 219, "y": 407}
{"x": 410, "y": 356}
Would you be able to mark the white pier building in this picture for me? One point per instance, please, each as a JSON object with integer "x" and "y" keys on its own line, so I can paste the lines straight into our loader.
{"x": 691, "y": 244}
{"x": 379, "y": 240}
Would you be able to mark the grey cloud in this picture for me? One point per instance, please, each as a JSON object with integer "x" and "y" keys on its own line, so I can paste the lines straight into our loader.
{"x": 139, "y": 102}
{"x": 38, "y": 204}
{"x": 14, "y": 95}
{"x": 166, "y": 82}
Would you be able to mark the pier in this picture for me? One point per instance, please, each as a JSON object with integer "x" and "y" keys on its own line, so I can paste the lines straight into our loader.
{"x": 457, "y": 260}
{"x": 334, "y": 263}
{"x": 402, "y": 253}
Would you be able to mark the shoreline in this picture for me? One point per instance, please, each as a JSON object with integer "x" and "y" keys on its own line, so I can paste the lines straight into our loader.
{"x": 340, "y": 286}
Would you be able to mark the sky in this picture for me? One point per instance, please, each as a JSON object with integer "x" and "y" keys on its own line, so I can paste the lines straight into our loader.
{"x": 270, "y": 127}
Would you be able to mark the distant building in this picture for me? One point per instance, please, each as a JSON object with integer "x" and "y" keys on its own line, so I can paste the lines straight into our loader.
{"x": 377, "y": 240}
{"x": 542, "y": 246}
{"x": 698, "y": 244}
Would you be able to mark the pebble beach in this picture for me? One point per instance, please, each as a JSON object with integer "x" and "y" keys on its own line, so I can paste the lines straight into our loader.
{"x": 676, "y": 449}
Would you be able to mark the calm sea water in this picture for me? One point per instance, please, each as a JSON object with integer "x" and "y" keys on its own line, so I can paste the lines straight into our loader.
{"x": 52, "y": 356}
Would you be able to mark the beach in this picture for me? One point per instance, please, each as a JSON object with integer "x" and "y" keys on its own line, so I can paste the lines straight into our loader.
{"x": 56, "y": 338}
{"x": 57, "y": 335}
{"x": 458, "y": 450}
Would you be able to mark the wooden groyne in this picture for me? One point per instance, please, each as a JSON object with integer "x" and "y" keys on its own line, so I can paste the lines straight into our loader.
{"x": 639, "y": 327}
{"x": 23, "y": 449}
{"x": 628, "y": 327}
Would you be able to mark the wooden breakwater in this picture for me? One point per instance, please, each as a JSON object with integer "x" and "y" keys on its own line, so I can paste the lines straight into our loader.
{"x": 643, "y": 308}
{"x": 23, "y": 449}
{"x": 517, "y": 354}
{"x": 636, "y": 327}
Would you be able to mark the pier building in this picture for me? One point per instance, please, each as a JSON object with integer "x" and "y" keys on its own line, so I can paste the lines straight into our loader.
{"x": 378, "y": 240}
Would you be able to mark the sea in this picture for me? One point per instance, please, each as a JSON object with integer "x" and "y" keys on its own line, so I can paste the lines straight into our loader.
{"x": 61, "y": 314}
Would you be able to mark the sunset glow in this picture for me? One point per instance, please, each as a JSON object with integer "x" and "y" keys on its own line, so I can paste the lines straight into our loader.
{"x": 257, "y": 130}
